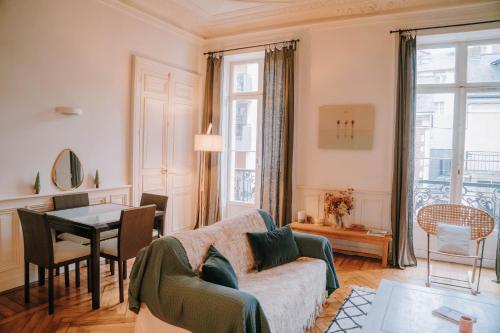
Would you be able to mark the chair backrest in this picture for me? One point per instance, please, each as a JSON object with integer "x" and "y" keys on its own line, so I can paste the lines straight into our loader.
{"x": 136, "y": 230}
{"x": 155, "y": 199}
{"x": 37, "y": 238}
{"x": 71, "y": 201}
{"x": 480, "y": 222}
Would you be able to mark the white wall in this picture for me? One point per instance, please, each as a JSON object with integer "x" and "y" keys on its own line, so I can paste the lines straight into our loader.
{"x": 349, "y": 62}
{"x": 73, "y": 53}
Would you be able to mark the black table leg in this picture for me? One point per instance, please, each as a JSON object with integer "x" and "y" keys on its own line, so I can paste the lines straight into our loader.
{"x": 41, "y": 276}
{"x": 95, "y": 243}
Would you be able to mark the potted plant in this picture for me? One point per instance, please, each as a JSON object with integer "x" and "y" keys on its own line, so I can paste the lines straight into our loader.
{"x": 36, "y": 186}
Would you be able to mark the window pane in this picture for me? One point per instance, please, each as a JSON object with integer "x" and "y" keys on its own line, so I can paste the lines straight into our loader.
{"x": 244, "y": 125}
{"x": 483, "y": 63}
{"x": 436, "y": 65}
{"x": 243, "y": 176}
{"x": 481, "y": 176}
{"x": 433, "y": 148}
{"x": 246, "y": 77}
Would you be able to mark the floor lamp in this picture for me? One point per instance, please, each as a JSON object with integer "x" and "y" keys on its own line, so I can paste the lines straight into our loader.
{"x": 205, "y": 143}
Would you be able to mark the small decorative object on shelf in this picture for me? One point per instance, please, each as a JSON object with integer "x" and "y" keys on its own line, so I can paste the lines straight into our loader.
{"x": 377, "y": 232}
{"x": 302, "y": 216}
{"x": 318, "y": 220}
{"x": 96, "y": 179}
{"x": 36, "y": 187}
{"x": 337, "y": 204}
{"x": 356, "y": 227}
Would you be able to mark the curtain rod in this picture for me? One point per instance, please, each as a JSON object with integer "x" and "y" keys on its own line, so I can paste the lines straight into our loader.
{"x": 443, "y": 26}
{"x": 252, "y": 46}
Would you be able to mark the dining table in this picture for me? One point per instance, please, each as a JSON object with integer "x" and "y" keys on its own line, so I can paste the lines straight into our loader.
{"x": 89, "y": 222}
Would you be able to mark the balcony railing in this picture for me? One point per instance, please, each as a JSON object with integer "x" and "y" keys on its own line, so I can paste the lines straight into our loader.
{"x": 482, "y": 195}
{"x": 244, "y": 185}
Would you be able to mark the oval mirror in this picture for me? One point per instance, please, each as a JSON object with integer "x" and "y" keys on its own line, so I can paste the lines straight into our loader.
{"x": 67, "y": 172}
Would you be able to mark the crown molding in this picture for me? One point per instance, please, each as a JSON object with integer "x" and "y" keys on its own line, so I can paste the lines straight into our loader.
{"x": 153, "y": 20}
{"x": 258, "y": 18}
{"x": 214, "y": 35}
{"x": 409, "y": 19}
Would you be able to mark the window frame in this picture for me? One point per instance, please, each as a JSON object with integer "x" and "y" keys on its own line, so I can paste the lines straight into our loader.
{"x": 233, "y": 96}
{"x": 460, "y": 88}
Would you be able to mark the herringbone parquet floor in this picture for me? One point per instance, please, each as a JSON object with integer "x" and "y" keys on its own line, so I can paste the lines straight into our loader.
{"x": 74, "y": 314}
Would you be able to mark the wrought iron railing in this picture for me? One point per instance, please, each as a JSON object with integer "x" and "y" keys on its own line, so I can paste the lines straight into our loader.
{"x": 485, "y": 196}
{"x": 485, "y": 161}
{"x": 244, "y": 185}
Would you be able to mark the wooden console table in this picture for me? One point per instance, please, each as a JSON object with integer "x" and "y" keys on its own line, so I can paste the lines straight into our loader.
{"x": 349, "y": 235}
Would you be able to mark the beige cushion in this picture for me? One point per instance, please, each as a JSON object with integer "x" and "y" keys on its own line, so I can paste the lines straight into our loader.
{"x": 73, "y": 238}
{"x": 66, "y": 250}
{"x": 85, "y": 241}
{"x": 110, "y": 246}
{"x": 109, "y": 234}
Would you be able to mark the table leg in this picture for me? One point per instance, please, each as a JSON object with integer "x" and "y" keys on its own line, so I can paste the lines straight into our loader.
{"x": 95, "y": 243}
{"x": 385, "y": 254}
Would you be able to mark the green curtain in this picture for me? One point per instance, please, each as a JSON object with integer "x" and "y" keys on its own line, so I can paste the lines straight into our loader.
{"x": 402, "y": 253}
{"x": 277, "y": 133}
{"x": 210, "y": 213}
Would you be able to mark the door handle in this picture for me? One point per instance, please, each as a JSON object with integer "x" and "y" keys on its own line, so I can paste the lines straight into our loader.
{"x": 163, "y": 171}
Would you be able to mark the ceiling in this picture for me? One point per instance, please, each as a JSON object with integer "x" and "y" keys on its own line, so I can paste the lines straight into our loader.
{"x": 212, "y": 18}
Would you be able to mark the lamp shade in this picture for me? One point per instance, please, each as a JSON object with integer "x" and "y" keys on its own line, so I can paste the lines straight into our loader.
{"x": 208, "y": 142}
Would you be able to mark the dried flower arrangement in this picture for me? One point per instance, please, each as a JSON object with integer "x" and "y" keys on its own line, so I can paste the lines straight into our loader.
{"x": 338, "y": 204}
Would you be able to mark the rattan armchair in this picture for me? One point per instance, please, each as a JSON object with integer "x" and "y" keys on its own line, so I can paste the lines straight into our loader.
{"x": 481, "y": 224}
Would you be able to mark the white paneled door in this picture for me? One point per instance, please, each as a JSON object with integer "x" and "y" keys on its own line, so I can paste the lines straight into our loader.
{"x": 164, "y": 117}
{"x": 153, "y": 132}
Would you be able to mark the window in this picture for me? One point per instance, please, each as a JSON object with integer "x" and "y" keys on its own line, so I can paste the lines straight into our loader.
{"x": 243, "y": 113}
{"x": 457, "y": 136}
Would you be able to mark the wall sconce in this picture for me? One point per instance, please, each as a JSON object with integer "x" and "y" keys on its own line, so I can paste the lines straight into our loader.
{"x": 68, "y": 110}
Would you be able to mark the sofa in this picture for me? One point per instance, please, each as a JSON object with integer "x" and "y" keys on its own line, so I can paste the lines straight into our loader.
{"x": 169, "y": 296}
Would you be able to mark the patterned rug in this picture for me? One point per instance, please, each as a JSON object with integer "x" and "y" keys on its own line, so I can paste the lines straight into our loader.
{"x": 353, "y": 312}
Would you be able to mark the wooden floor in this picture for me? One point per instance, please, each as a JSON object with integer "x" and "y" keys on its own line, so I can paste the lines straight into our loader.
{"x": 73, "y": 306}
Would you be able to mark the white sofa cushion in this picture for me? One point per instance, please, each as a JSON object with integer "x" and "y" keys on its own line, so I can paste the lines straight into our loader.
{"x": 229, "y": 237}
{"x": 291, "y": 295}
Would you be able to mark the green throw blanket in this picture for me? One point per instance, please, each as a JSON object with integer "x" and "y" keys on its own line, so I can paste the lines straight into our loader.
{"x": 163, "y": 279}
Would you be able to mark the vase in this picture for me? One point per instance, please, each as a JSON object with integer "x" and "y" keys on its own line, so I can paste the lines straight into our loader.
{"x": 329, "y": 220}
{"x": 339, "y": 223}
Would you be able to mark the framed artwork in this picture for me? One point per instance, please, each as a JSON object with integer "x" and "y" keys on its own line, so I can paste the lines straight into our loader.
{"x": 346, "y": 126}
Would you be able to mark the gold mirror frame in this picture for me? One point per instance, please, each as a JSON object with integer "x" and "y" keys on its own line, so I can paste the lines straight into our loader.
{"x": 54, "y": 174}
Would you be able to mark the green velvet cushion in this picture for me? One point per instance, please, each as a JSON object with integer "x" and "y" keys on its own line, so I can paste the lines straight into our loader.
{"x": 217, "y": 269}
{"x": 273, "y": 248}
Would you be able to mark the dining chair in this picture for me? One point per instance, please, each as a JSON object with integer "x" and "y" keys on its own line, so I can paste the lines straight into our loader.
{"x": 70, "y": 201}
{"x": 134, "y": 233}
{"x": 76, "y": 200}
{"x": 479, "y": 225}
{"x": 161, "y": 205}
{"x": 39, "y": 249}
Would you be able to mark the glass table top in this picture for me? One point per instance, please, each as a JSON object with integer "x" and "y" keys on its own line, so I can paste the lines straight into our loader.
{"x": 93, "y": 215}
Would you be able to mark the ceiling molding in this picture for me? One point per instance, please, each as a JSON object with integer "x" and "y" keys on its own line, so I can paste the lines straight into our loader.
{"x": 328, "y": 11}
{"x": 153, "y": 20}
{"x": 248, "y": 22}
{"x": 453, "y": 15}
